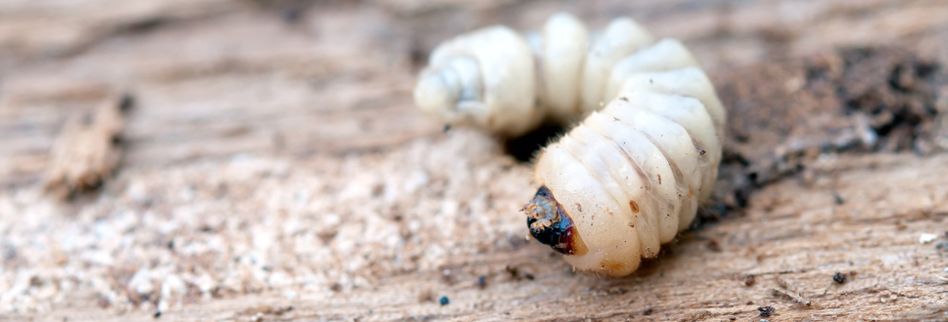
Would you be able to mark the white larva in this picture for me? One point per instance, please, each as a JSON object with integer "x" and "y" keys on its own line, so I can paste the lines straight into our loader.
{"x": 627, "y": 178}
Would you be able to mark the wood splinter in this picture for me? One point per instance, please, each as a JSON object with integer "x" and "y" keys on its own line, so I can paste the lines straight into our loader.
{"x": 87, "y": 149}
{"x": 784, "y": 290}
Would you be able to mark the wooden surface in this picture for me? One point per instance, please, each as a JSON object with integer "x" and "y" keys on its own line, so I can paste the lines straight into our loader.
{"x": 274, "y": 168}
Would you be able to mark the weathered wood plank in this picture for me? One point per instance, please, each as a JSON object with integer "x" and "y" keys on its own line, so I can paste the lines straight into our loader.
{"x": 275, "y": 168}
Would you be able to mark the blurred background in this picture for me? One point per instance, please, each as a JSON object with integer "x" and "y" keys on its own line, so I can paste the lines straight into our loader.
{"x": 212, "y": 159}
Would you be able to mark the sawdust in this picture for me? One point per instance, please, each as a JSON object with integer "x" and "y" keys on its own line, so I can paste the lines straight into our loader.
{"x": 225, "y": 247}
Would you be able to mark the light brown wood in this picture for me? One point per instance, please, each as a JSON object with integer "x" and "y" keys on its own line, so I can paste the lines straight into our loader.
{"x": 275, "y": 168}
{"x": 87, "y": 150}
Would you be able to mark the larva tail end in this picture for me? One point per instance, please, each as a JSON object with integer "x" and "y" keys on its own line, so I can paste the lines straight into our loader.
{"x": 551, "y": 225}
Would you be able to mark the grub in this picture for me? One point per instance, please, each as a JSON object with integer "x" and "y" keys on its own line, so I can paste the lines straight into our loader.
{"x": 326, "y": 104}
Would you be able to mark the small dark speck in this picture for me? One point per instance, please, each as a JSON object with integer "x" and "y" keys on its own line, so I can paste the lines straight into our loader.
{"x": 624, "y": 99}
{"x": 838, "y": 198}
{"x": 651, "y": 81}
{"x": 702, "y": 151}
{"x": 126, "y": 102}
{"x": 482, "y": 282}
{"x": 513, "y": 271}
{"x": 291, "y": 15}
{"x": 749, "y": 280}
{"x": 942, "y": 245}
{"x": 839, "y": 278}
{"x": 8, "y": 253}
{"x": 766, "y": 311}
{"x": 86, "y": 119}
{"x": 446, "y": 128}
{"x": 444, "y": 300}
{"x": 335, "y": 287}
{"x": 714, "y": 246}
{"x": 648, "y": 311}
{"x": 157, "y": 314}
{"x": 528, "y": 276}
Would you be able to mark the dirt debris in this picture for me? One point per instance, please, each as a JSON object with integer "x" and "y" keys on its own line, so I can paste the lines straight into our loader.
{"x": 87, "y": 150}
{"x": 749, "y": 280}
{"x": 258, "y": 312}
{"x": 875, "y": 99}
{"x": 425, "y": 296}
{"x": 839, "y": 278}
{"x": 783, "y": 289}
{"x": 648, "y": 311}
{"x": 482, "y": 282}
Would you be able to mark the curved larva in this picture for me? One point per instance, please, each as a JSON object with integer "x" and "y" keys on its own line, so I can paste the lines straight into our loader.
{"x": 632, "y": 174}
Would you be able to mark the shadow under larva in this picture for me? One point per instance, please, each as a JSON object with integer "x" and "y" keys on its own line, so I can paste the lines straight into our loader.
{"x": 644, "y": 152}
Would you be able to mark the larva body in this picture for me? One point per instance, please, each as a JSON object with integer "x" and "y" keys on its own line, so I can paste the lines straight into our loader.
{"x": 627, "y": 178}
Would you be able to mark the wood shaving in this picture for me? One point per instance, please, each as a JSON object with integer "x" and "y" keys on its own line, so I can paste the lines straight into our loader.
{"x": 784, "y": 290}
{"x": 86, "y": 151}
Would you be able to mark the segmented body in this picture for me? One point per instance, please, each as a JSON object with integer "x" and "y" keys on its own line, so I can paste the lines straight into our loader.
{"x": 633, "y": 172}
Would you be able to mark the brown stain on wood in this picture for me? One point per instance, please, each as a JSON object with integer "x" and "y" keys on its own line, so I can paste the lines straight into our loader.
{"x": 612, "y": 266}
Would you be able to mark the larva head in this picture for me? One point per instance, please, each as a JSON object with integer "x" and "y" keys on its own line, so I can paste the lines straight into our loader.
{"x": 551, "y": 225}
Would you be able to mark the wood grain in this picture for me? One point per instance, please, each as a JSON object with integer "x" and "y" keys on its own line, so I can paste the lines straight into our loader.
{"x": 275, "y": 165}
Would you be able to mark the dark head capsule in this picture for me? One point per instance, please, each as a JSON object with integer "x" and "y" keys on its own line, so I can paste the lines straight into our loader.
{"x": 551, "y": 225}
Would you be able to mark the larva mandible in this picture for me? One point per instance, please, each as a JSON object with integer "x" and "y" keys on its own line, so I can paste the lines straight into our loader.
{"x": 631, "y": 174}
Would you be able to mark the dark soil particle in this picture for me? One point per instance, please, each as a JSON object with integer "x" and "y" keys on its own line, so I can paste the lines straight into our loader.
{"x": 749, "y": 280}
{"x": 839, "y": 278}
